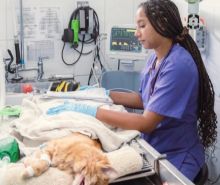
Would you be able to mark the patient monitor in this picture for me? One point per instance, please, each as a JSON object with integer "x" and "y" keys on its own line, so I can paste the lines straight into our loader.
{"x": 122, "y": 44}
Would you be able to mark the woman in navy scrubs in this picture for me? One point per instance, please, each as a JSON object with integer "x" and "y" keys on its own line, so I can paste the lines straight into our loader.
{"x": 175, "y": 91}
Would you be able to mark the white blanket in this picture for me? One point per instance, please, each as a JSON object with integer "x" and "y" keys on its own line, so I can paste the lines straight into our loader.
{"x": 36, "y": 127}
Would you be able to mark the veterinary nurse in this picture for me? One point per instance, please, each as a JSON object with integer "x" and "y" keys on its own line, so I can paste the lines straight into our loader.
{"x": 176, "y": 92}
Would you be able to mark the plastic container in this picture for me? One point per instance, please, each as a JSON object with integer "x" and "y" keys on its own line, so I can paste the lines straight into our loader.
{"x": 9, "y": 150}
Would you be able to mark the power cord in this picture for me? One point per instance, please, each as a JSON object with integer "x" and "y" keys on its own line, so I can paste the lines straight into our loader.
{"x": 97, "y": 59}
{"x": 92, "y": 37}
{"x": 80, "y": 54}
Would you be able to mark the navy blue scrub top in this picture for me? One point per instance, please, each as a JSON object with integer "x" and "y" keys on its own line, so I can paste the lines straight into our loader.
{"x": 174, "y": 95}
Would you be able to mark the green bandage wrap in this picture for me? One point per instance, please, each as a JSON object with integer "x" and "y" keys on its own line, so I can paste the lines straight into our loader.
{"x": 75, "y": 28}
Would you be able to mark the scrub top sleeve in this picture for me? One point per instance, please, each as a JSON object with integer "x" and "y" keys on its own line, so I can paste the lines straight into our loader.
{"x": 173, "y": 89}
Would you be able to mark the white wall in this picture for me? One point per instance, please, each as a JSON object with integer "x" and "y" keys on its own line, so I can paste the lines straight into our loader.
{"x": 55, "y": 65}
{"x": 108, "y": 14}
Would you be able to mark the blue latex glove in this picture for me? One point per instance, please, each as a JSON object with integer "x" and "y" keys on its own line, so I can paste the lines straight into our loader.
{"x": 107, "y": 92}
{"x": 82, "y": 108}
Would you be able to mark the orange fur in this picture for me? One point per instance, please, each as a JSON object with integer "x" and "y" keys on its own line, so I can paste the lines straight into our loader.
{"x": 76, "y": 154}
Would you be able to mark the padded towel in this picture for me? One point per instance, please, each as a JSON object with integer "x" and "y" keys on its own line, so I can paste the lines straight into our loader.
{"x": 125, "y": 160}
{"x": 36, "y": 127}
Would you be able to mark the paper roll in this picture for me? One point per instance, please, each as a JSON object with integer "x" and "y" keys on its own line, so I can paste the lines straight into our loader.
{"x": 2, "y": 82}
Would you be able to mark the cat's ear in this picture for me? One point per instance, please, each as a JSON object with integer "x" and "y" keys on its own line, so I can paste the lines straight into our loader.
{"x": 110, "y": 172}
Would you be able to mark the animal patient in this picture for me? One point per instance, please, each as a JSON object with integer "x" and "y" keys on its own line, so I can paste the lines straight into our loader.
{"x": 76, "y": 154}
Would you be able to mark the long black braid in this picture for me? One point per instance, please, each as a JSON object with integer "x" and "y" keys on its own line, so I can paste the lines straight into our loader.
{"x": 165, "y": 18}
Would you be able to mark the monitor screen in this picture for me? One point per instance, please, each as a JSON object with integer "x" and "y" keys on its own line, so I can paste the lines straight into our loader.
{"x": 122, "y": 44}
{"x": 123, "y": 39}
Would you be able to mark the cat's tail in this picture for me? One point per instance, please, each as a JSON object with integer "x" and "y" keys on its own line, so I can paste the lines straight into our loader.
{"x": 35, "y": 167}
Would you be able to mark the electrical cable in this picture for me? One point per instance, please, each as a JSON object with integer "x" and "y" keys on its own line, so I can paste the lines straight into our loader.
{"x": 91, "y": 73}
{"x": 96, "y": 58}
{"x": 10, "y": 70}
{"x": 87, "y": 53}
{"x": 119, "y": 63}
{"x": 95, "y": 33}
{"x": 93, "y": 36}
{"x": 80, "y": 54}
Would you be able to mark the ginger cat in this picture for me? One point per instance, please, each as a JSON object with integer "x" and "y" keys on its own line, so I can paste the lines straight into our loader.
{"x": 76, "y": 154}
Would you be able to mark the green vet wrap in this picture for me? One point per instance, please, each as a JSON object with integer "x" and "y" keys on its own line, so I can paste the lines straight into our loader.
{"x": 75, "y": 28}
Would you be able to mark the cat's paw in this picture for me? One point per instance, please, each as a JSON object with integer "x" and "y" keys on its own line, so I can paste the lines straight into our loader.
{"x": 27, "y": 173}
{"x": 35, "y": 166}
{"x": 28, "y": 170}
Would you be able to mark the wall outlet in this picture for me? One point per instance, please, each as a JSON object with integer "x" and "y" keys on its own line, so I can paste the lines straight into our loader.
{"x": 82, "y": 3}
{"x": 201, "y": 36}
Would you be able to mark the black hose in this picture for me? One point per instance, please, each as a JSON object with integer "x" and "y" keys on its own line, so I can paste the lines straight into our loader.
{"x": 10, "y": 70}
{"x": 17, "y": 53}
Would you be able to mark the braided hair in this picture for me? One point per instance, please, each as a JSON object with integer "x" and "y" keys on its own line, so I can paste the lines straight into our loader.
{"x": 165, "y": 18}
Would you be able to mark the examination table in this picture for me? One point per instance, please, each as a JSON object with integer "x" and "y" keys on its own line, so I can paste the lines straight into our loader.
{"x": 156, "y": 168}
